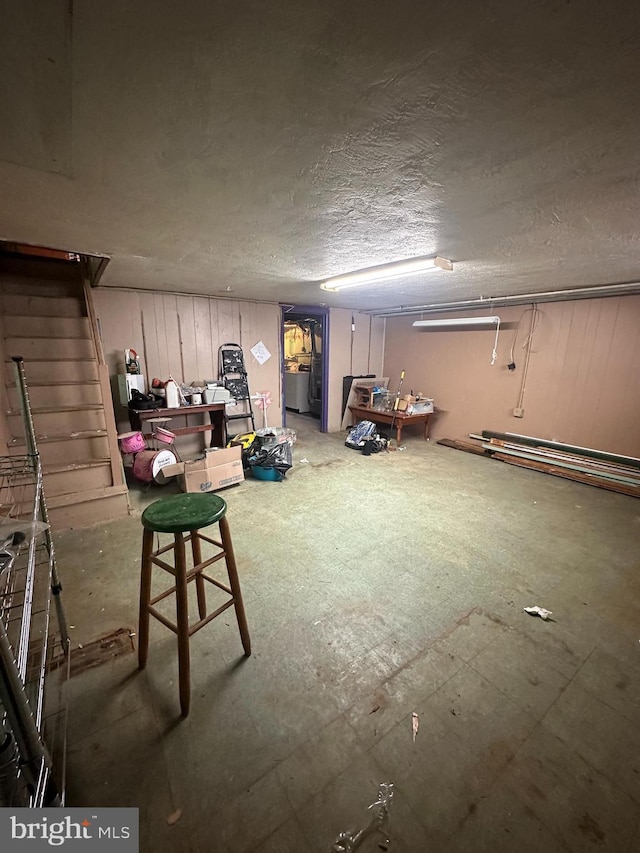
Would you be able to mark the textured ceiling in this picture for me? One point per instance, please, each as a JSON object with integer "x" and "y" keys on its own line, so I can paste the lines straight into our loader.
{"x": 250, "y": 149}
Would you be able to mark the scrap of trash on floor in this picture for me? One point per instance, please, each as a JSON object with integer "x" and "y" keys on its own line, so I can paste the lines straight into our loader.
{"x": 350, "y": 840}
{"x": 538, "y": 611}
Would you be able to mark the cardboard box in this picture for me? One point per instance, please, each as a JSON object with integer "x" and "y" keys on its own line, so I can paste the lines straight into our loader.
{"x": 423, "y": 407}
{"x": 218, "y": 469}
{"x": 415, "y": 405}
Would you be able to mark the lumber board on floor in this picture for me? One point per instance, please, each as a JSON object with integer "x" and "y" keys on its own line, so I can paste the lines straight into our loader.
{"x": 608, "y": 471}
{"x": 527, "y": 453}
{"x": 532, "y": 441}
{"x": 588, "y": 464}
{"x": 467, "y": 446}
{"x": 569, "y": 474}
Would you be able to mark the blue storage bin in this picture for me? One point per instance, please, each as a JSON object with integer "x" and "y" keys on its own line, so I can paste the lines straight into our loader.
{"x": 261, "y": 473}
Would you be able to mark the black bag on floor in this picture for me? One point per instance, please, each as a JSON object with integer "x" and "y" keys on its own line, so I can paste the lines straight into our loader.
{"x": 279, "y": 457}
{"x": 374, "y": 445}
{"x": 359, "y": 434}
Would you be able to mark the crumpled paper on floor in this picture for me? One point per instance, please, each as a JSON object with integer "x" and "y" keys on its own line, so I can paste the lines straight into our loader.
{"x": 538, "y": 611}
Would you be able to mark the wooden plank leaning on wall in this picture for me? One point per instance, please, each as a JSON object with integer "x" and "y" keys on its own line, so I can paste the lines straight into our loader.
{"x": 117, "y": 468}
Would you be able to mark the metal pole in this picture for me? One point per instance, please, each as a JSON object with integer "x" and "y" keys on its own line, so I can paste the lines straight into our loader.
{"x": 395, "y": 406}
{"x": 12, "y": 791}
{"x": 34, "y": 756}
{"x": 30, "y": 435}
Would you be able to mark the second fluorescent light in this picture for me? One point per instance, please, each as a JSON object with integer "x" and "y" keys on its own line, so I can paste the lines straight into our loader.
{"x": 385, "y": 272}
{"x": 457, "y": 321}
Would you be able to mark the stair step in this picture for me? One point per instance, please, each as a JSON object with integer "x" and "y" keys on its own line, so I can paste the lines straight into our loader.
{"x": 21, "y": 327}
{"x": 45, "y": 372}
{"x": 71, "y": 436}
{"x": 80, "y": 496}
{"x": 84, "y": 497}
{"x": 62, "y": 421}
{"x": 20, "y": 305}
{"x": 109, "y": 505}
{"x": 36, "y": 279}
{"x": 68, "y": 451}
{"x": 49, "y": 348}
{"x": 49, "y": 410}
{"x": 60, "y": 468}
{"x": 45, "y": 396}
{"x": 30, "y": 360}
{"x": 57, "y": 383}
{"x": 80, "y": 509}
{"x": 76, "y": 477}
{"x": 61, "y": 337}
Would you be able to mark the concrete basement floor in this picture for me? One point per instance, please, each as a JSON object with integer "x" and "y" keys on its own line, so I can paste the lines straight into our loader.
{"x": 377, "y": 587}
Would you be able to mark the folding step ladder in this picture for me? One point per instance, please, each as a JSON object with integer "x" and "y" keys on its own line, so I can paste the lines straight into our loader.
{"x": 233, "y": 374}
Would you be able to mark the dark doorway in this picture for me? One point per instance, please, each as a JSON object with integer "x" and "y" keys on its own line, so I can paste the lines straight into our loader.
{"x": 305, "y": 362}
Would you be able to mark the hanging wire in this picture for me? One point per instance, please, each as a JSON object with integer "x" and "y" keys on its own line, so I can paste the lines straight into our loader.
{"x": 536, "y": 313}
{"x": 353, "y": 330}
{"x": 527, "y": 344}
{"x": 494, "y": 354}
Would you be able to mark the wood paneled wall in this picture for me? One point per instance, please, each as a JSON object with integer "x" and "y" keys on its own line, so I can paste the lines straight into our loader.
{"x": 582, "y": 385}
{"x": 365, "y": 356}
{"x": 180, "y": 335}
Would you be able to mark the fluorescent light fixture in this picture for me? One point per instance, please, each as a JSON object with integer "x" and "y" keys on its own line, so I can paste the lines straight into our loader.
{"x": 464, "y": 322}
{"x": 457, "y": 321}
{"x": 385, "y": 272}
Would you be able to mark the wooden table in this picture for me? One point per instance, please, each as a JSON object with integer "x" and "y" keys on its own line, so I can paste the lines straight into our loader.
{"x": 400, "y": 419}
{"x": 216, "y": 416}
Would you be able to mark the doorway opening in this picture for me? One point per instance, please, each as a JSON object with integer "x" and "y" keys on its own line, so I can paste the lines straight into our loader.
{"x": 305, "y": 363}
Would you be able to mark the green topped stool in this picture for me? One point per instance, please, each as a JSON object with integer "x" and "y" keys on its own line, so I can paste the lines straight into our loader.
{"x": 181, "y": 514}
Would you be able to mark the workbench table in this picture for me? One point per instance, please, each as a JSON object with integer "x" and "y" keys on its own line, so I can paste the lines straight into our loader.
{"x": 216, "y": 412}
{"x": 399, "y": 419}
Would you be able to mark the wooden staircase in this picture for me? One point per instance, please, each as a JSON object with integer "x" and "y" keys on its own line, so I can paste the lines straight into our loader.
{"x": 46, "y": 317}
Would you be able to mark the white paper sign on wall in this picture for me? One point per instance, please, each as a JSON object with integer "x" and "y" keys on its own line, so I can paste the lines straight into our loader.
{"x": 260, "y": 352}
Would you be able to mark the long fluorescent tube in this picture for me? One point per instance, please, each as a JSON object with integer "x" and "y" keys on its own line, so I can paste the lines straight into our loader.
{"x": 458, "y": 321}
{"x": 386, "y": 271}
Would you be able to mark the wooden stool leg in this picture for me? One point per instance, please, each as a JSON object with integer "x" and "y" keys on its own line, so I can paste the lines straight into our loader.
{"x": 234, "y": 582}
{"x": 145, "y": 595}
{"x": 196, "y": 550}
{"x": 182, "y": 622}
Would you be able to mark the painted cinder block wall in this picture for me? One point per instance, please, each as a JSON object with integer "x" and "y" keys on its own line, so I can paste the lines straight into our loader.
{"x": 180, "y": 335}
{"x": 582, "y": 385}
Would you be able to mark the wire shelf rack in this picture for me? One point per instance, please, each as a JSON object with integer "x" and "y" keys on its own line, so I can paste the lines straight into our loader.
{"x": 32, "y": 717}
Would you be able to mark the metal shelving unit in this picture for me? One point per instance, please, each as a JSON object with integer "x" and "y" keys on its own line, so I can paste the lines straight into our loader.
{"x": 30, "y": 650}
{"x": 34, "y": 644}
